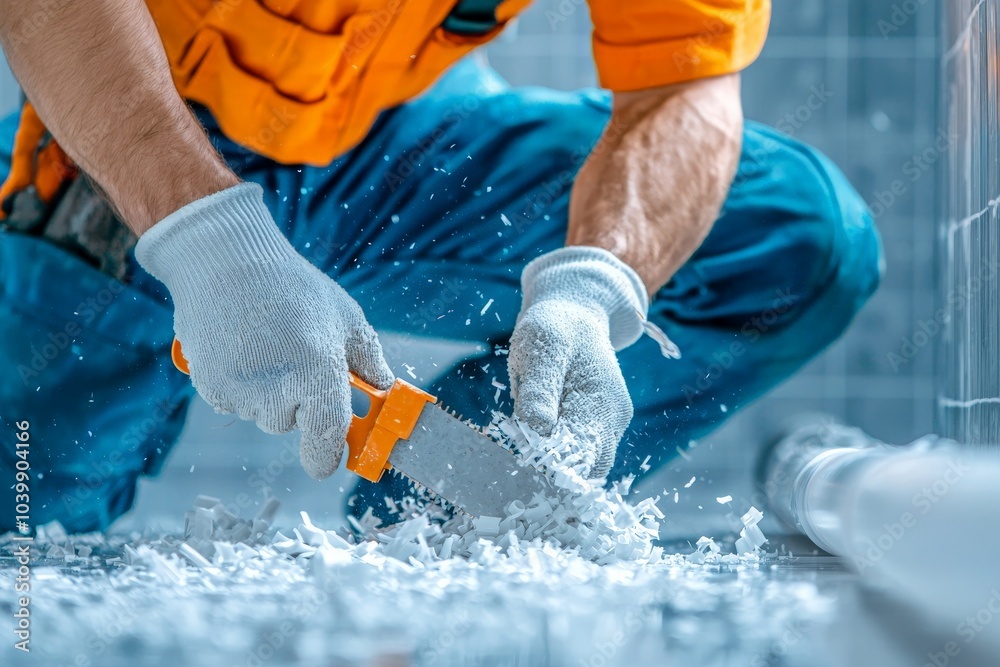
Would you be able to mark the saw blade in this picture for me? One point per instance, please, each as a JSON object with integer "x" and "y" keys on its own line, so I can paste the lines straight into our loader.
{"x": 464, "y": 466}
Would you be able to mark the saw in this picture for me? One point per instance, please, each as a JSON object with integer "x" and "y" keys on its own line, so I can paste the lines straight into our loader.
{"x": 407, "y": 431}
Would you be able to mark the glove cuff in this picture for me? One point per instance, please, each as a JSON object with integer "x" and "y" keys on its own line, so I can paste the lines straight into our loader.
{"x": 592, "y": 276}
{"x": 229, "y": 231}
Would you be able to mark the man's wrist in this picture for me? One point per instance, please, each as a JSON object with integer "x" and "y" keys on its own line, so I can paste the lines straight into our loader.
{"x": 144, "y": 207}
{"x": 591, "y": 276}
{"x": 171, "y": 164}
{"x": 224, "y": 234}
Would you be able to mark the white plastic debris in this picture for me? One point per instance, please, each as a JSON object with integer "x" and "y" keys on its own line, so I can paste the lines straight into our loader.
{"x": 487, "y": 525}
{"x": 752, "y": 517}
{"x": 705, "y": 549}
{"x": 751, "y": 538}
{"x": 579, "y": 540}
{"x": 582, "y": 551}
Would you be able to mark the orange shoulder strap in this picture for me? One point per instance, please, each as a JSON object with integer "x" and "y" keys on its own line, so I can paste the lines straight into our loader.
{"x": 32, "y": 163}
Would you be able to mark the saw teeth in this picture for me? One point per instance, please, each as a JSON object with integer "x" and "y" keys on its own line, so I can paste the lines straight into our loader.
{"x": 430, "y": 497}
{"x": 446, "y": 505}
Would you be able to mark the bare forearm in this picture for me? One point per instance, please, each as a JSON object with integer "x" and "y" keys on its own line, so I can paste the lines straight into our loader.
{"x": 652, "y": 188}
{"x": 98, "y": 76}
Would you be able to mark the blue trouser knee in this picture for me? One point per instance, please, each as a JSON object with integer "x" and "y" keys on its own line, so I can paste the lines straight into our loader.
{"x": 430, "y": 218}
{"x": 85, "y": 361}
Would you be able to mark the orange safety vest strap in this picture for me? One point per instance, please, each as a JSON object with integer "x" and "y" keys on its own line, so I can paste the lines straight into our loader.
{"x": 303, "y": 81}
{"x": 54, "y": 169}
{"x": 35, "y": 161}
{"x": 30, "y": 131}
{"x": 642, "y": 44}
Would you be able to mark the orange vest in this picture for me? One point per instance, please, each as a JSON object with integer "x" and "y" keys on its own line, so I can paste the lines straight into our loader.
{"x": 302, "y": 81}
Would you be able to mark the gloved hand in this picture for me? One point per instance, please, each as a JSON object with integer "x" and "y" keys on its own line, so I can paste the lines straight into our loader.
{"x": 580, "y": 305}
{"x": 267, "y": 335}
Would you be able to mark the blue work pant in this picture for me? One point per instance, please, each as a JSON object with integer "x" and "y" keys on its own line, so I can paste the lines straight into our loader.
{"x": 429, "y": 219}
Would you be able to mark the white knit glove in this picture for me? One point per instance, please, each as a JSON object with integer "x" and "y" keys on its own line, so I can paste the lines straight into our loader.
{"x": 267, "y": 335}
{"x": 581, "y": 304}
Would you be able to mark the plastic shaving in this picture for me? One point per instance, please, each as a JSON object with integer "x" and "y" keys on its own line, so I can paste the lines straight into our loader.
{"x": 704, "y": 548}
{"x": 307, "y": 595}
{"x": 538, "y": 536}
{"x": 751, "y": 538}
{"x": 581, "y": 547}
{"x": 580, "y": 518}
{"x": 350, "y": 590}
{"x": 593, "y": 523}
{"x": 585, "y": 520}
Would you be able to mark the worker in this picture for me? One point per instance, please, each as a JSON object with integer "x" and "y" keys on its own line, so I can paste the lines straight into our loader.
{"x": 296, "y": 175}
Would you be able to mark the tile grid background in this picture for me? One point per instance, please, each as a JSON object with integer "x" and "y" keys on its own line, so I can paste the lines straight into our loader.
{"x": 881, "y": 112}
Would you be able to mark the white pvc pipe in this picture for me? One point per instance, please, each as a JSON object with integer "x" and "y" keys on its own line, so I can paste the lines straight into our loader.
{"x": 925, "y": 523}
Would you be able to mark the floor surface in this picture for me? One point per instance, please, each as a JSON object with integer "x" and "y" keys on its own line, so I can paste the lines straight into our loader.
{"x": 791, "y": 607}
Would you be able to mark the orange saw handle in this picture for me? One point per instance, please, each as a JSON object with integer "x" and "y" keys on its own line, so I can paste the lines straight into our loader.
{"x": 392, "y": 415}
